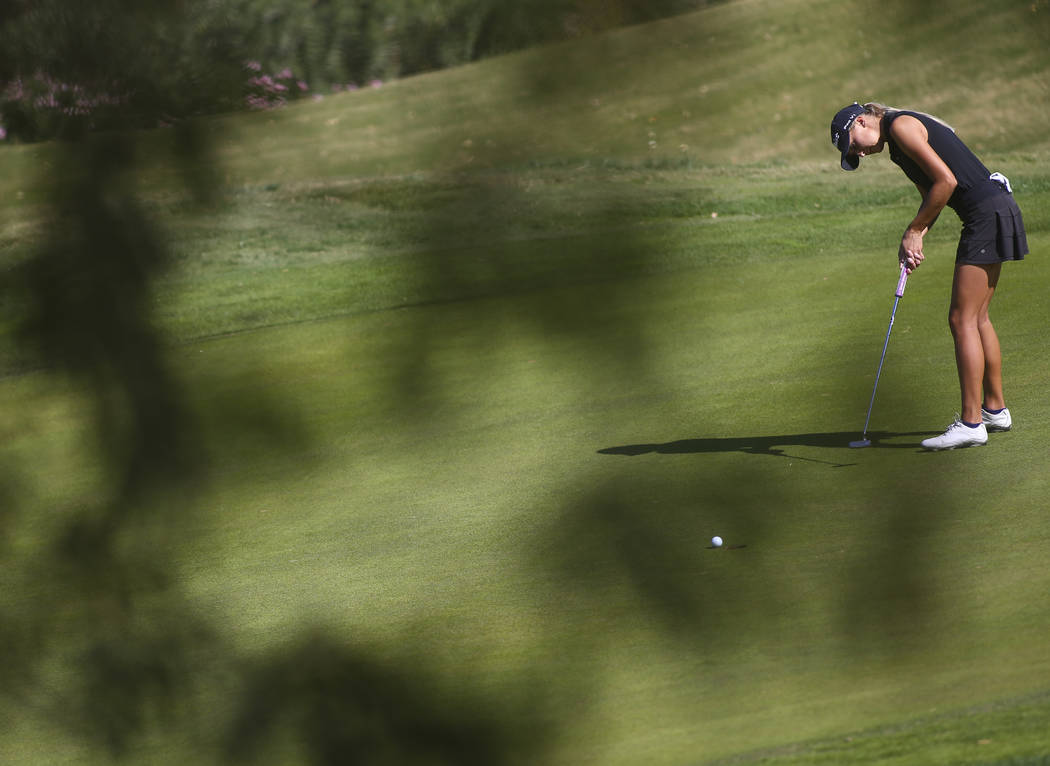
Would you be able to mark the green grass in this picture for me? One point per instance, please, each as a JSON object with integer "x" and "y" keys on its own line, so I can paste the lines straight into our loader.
{"x": 470, "y": 413}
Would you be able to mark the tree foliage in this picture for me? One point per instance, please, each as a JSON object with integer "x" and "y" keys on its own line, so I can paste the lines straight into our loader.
{"x": 344, "y": 41}
{"x": 69, "y": 68}
{"x": 66, "y": 69}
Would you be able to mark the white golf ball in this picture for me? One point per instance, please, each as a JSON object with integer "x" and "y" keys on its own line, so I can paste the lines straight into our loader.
{"x": 716, "y": 541}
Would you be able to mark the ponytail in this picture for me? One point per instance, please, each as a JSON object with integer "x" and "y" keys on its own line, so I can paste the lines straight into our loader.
{"x": 878, "y": 110}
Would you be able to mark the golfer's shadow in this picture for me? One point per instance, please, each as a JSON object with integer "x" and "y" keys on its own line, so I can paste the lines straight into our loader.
{"x": 767, "y": 445}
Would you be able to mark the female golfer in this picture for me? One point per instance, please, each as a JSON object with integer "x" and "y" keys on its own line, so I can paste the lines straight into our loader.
{"x": 946, "y": 172}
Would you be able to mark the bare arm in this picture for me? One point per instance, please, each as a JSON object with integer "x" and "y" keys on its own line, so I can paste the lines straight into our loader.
{"x": 923, "y": 191}
{"x": 911, "y": 136}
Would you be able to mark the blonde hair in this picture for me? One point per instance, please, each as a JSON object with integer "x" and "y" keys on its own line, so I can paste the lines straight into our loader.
{"x": 878, "y": 110}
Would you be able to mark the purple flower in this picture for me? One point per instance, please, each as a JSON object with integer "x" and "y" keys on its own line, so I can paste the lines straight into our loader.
{"x": 3, "y": 133}
{"x": 285, "y": 74}
{"x": 253, "y": 66}
{"x": 303, "y": 86}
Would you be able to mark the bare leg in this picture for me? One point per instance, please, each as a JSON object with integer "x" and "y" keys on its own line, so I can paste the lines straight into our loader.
{"x": 977, "y": 353}
{"x": 993, "y": 357}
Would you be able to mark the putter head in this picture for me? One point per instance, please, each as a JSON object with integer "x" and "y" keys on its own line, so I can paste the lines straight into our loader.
{"x": 860, "y": 443}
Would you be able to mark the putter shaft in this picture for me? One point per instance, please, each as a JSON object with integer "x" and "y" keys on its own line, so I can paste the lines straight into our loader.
{"x": 864, "y": 442}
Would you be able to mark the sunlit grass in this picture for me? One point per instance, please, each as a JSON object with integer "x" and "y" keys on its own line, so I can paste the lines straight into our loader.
{"x": 478, "y": 370}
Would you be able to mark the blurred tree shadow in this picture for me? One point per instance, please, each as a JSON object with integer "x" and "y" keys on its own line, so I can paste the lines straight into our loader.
{"x": 618, "y": 557}
{"x": 87, "y": 311}
{"x": 892, "y": 597}
{"x": 338, "y": 705}
{"x": 611, "y": 547}
{"x": 104, "y": 601}
{"x": 103, "y": 624}
{"x": 105, "y": 627}
{"x": 107, "y": 605}
{"x": 635, "y": 552}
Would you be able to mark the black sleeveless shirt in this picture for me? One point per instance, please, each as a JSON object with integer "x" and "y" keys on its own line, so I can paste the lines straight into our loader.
{"x": 971, "y": 174}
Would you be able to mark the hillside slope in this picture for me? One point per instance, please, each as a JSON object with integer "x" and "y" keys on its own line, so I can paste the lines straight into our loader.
{"x": 749, "y": 81}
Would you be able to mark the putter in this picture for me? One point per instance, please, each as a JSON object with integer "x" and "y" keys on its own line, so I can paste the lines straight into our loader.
{"x": 864, "y": 441}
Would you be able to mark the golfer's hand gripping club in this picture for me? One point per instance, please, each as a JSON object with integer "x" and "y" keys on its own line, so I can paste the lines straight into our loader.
{"x": 901, "y": 283}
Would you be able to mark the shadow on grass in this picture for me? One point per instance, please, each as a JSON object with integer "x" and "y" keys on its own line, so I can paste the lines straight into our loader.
{"x": 344, "y": 705}
{"x": 769, "y": 445}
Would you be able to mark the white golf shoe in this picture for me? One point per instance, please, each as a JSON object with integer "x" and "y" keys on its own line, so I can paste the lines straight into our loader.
{"x": 958, "y": 435}
{"x": 996, "y": 421}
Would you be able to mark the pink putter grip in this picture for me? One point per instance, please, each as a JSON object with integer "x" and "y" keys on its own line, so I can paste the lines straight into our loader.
{"x": 903, "y": 280}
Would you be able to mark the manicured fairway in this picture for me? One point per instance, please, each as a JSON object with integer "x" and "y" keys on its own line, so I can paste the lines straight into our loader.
{"x": 467, "y": 427}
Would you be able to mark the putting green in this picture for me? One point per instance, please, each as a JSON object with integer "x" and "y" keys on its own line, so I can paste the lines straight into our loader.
{"x": 465, "y": 418}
